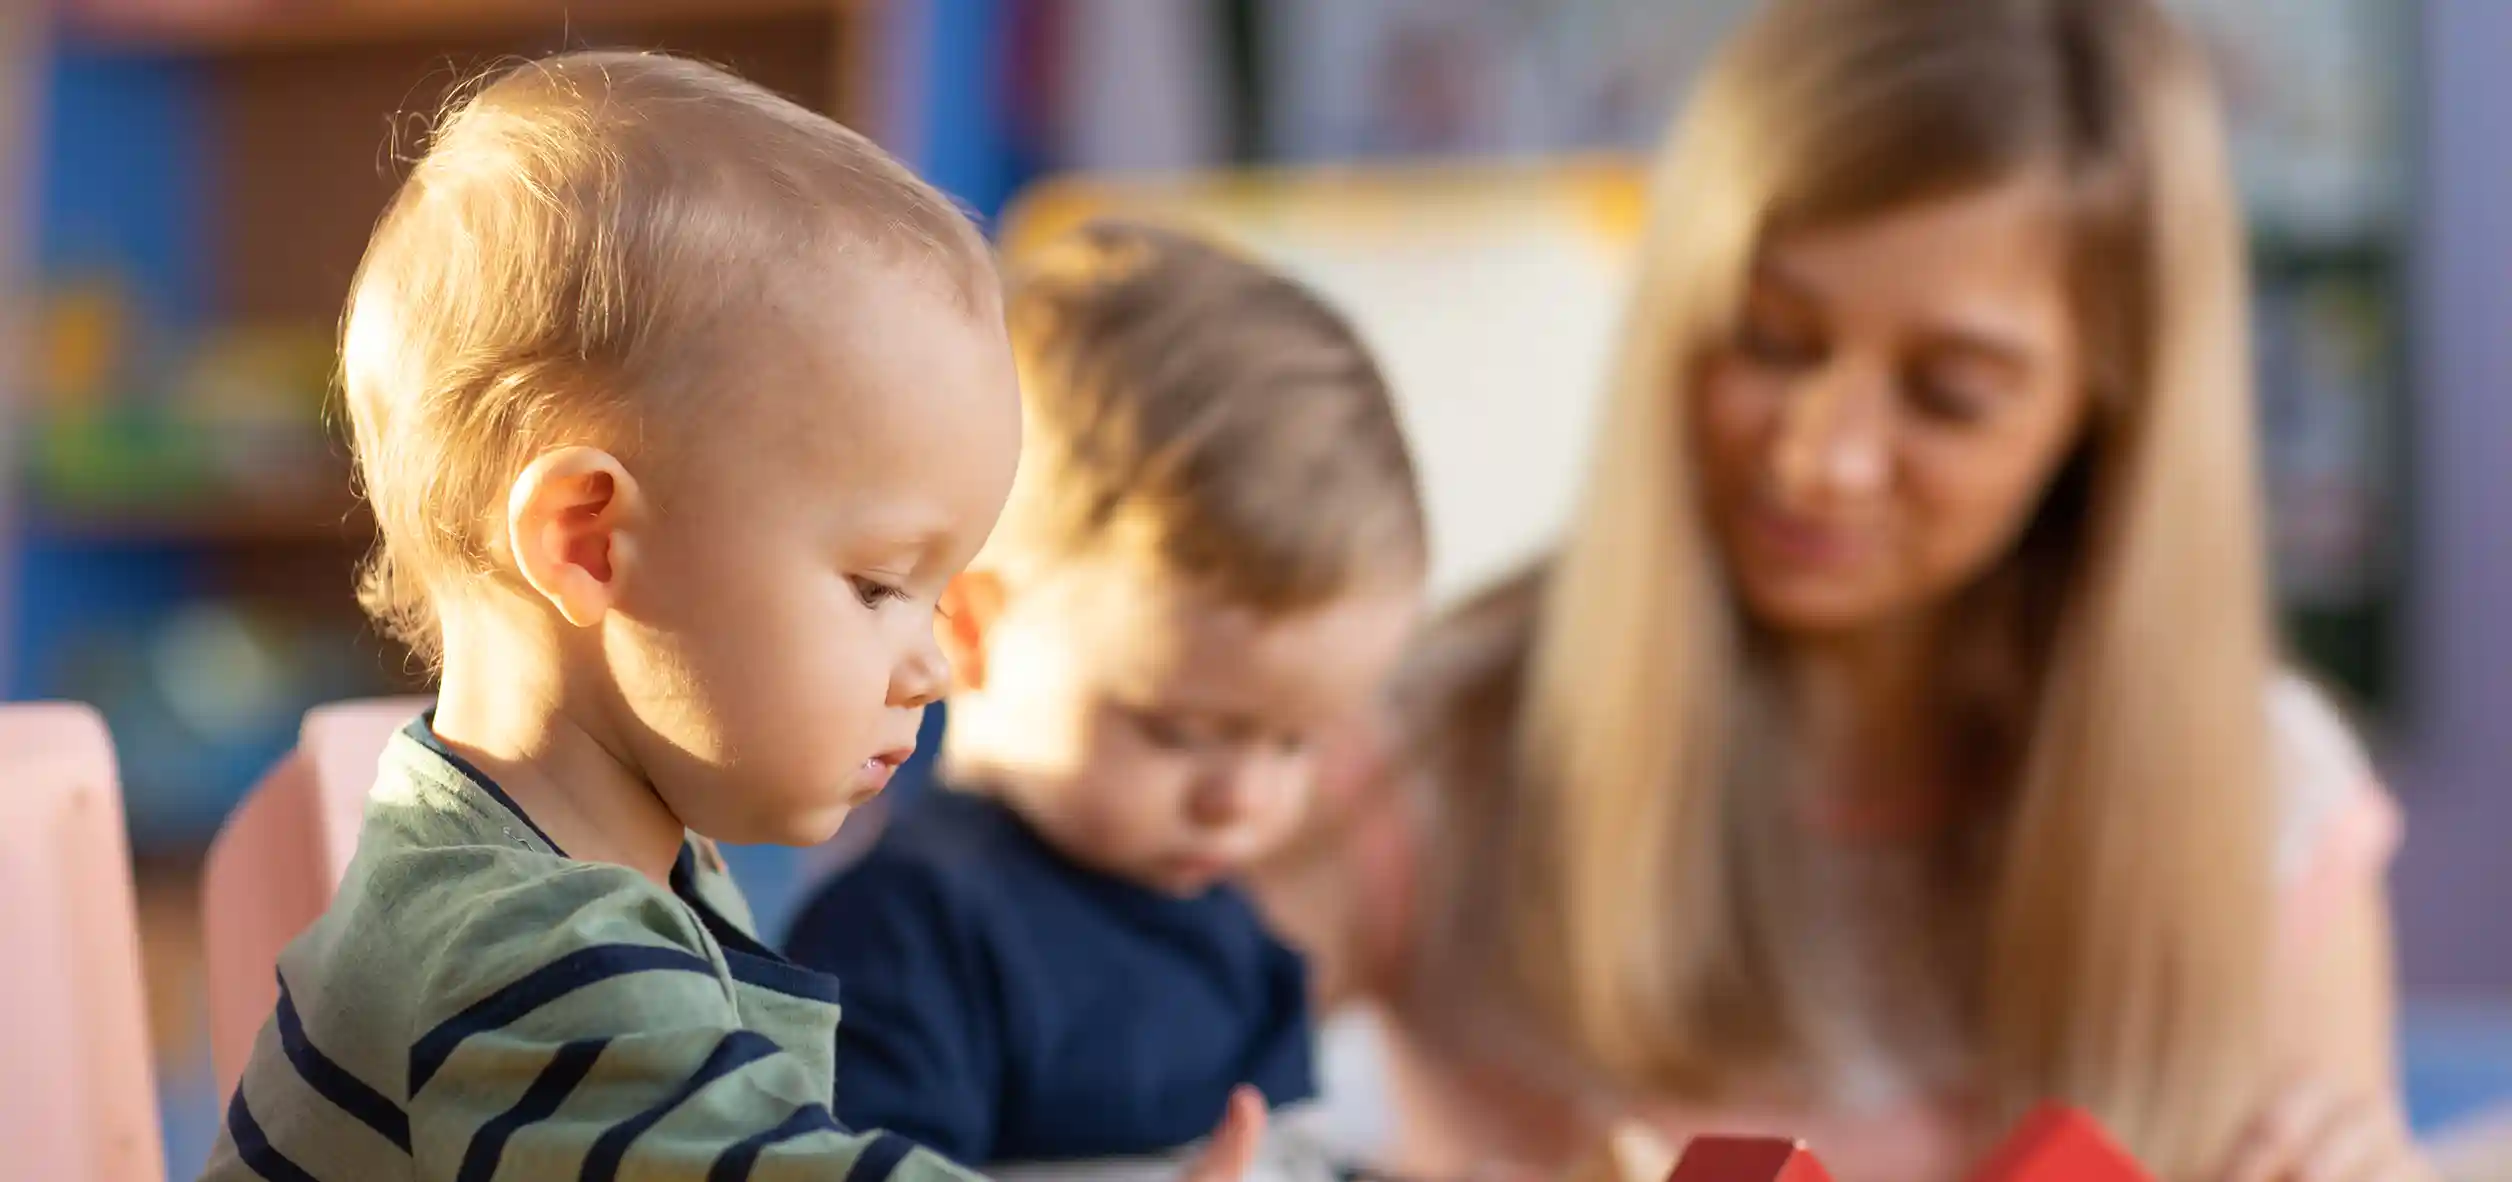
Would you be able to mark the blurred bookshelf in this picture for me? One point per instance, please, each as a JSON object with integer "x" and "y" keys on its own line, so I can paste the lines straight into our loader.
{"x": 255, "y": 27}
{"x": 181, "y": 494}
{"x": 2330, "y": 339}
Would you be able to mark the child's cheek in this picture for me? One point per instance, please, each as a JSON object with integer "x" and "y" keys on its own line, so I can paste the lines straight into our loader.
{"x": 1351, "y": 762}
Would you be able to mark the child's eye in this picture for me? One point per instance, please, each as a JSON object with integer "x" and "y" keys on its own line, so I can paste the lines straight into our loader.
{"x": 1160, "y": 732}
{"x": 874, "y": 593}
{"x": 1168, "y": 733}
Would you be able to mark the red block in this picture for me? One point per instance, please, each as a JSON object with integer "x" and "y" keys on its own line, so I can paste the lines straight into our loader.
{"x": 2060, "y": 1144}
{"x": 1747, "y": 1159}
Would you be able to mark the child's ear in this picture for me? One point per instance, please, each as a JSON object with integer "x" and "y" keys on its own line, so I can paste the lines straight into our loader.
{"x": 970, "y": 606}
{"x": 571, "y": 519}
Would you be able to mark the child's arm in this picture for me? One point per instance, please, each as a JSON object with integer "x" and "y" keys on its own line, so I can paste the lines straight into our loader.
{"x": 697, "y": 1102}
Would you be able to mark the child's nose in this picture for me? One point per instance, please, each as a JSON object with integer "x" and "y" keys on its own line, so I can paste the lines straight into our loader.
{"x": 1232, "y": 790}
{"x": 922, "y": 678}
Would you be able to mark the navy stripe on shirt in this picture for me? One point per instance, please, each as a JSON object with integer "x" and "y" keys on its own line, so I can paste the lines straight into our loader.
{"x": 879, "y": 1158}
{"x": 736, "y": 1163}
{"x": 751, "y": 962}
{"x": 557, "y": 1081}
{"x": 254, "y": 1147}
{"x": 541, "y": 986}
{"x": 333, "y": 1082}
{"x": 734, "y": 1051}
{"x": 779, "y": 975}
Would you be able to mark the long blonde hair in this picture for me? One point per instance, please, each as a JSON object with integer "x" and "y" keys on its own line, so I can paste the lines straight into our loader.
{"x": 2125, "y": 866}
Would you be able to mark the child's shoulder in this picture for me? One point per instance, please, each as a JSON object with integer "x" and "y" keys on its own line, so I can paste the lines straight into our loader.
{"x": 442, "y": 927}
{"x": 453, "y": 894}
{"x": 445, "y": 858}
{"x": 453, "y": 980}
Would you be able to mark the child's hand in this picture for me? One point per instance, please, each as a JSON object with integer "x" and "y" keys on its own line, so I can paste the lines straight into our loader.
{"x": 1232, "y": 1148}
{"x": 2314, "y": 1131}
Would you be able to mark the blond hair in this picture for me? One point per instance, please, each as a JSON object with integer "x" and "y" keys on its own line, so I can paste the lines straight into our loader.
{"x": 2113, "y": 676}
{"x": 1190, "y": 407}
{"x": 572, "y": 251}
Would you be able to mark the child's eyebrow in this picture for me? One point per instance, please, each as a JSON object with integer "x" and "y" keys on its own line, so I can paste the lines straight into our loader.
{"x": 1229, "y": 721}
{"x": 920, "y": 541}
{"x": 904, "y": 532}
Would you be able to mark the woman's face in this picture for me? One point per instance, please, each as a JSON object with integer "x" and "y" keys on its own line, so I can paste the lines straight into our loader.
{"x": 1898, "y": 395}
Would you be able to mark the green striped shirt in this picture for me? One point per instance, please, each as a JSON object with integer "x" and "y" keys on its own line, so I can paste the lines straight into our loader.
{"x": 476, "y": 1006}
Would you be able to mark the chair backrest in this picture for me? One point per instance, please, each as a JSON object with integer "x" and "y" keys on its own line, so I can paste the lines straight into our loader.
{"x": 275, "y": 863}
{"x": 78, "y": 1097}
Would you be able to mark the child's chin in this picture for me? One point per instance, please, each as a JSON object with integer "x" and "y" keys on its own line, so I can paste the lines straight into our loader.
{"x": 820, "y": 826}
{"x": 799, "y": 828}
{"x": 1183, "y": 881}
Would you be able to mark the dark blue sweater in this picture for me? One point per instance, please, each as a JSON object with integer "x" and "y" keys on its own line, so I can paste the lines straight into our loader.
{"x": 1004, "y": 1004}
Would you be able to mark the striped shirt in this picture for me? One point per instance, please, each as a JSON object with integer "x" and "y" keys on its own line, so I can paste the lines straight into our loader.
{"x": 476, "y": 1006}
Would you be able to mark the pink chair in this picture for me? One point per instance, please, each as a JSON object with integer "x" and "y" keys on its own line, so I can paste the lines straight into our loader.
{"x": 273, "y": 867}
{"x": 77, "y": 1094}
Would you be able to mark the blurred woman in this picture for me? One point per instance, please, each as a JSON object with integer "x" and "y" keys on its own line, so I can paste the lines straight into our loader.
{"x": 1898, "y": 738}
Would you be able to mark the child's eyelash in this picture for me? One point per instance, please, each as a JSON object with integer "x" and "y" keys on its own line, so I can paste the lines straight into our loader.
{"x": 874, "y": 594}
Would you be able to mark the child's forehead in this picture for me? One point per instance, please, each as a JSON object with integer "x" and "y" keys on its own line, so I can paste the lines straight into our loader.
{"x": 877, "y": 388}
{"x": 896, "y": 527}
{"x": 1167, "y": 641}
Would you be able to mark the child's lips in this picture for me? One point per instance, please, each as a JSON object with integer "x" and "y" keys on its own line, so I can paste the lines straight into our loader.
{"x": 1196, "y": 872}
{"x": 875, "y": 773}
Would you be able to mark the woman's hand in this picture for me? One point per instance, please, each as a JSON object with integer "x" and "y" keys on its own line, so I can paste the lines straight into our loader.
{"x": 2316, "y": 1131}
